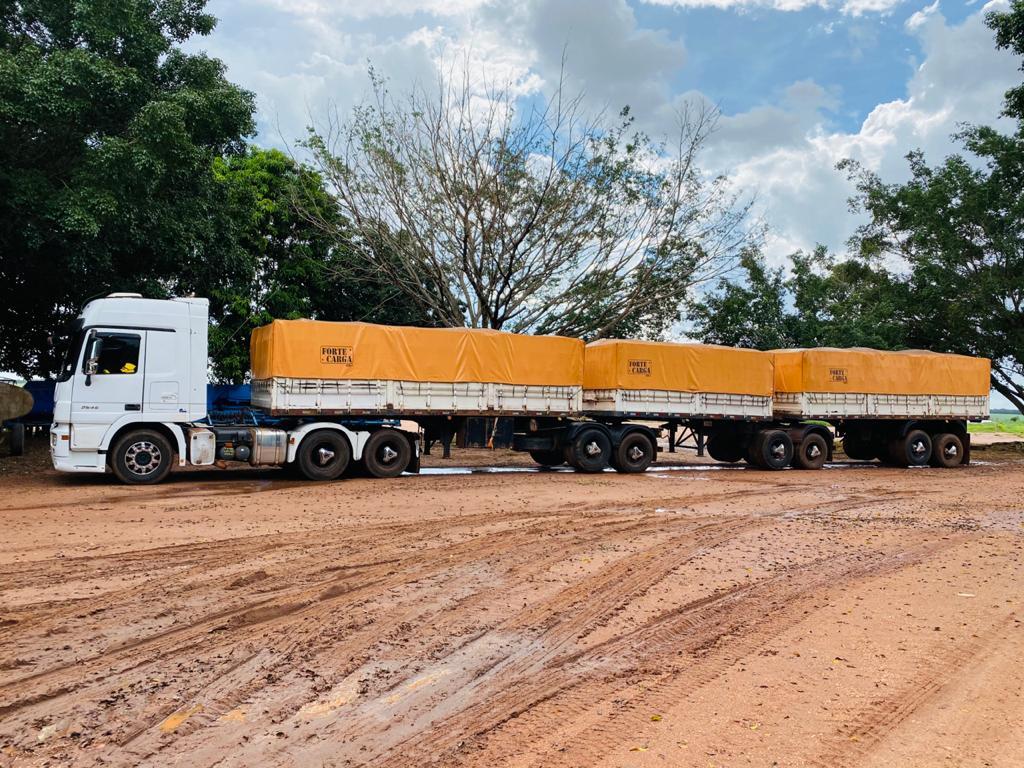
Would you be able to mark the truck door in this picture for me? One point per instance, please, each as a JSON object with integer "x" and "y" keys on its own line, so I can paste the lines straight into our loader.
{"x": 167, "y": 371}
{"x": 107, "y": 384}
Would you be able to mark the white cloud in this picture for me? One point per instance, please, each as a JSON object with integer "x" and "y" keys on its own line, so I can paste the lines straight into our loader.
{"x": 919, "y": 18}
{"x": 848, "y": 7}
{"x": 789, "y": 155}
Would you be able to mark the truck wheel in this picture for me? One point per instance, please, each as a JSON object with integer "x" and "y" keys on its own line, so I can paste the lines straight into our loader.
{"x": 634, "y": 454}
{"x": 17, "y": 439}
{"x": 947, "y": 451}
{"x": 551, "y": 458}
{"x": 323, "y": 455}
{"x": 912, "y": 450}
{"x": 387, "y": 453}
{"x": 589, "y": 451}
{"x": 725, "y": 448}
{"x": 858, "y": 448}
{"x": 773, "y": 449}
{"x": 811, "y": 453}
{"x": 142, "y": 457}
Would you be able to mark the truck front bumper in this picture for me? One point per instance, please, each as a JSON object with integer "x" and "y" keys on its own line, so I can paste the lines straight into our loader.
{"x": 66, "y": 460}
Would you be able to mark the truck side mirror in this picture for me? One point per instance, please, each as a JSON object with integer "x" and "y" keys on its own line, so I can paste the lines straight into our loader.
{"x": 91, "y": 364}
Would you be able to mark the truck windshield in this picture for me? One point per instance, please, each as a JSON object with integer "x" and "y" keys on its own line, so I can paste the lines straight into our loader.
{"x": 72, "y": 341}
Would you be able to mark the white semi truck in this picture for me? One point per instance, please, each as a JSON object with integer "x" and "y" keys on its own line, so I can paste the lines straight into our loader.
{"x": 131, "y": 398}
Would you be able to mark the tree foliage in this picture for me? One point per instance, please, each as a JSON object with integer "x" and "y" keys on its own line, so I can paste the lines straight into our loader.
{"x": 290, "y": 268}
{"x": 541, "y": 219}
{"x": 823, "y": 302}
{"x": 751, "y": 313}
{"x": 108, "y": 132}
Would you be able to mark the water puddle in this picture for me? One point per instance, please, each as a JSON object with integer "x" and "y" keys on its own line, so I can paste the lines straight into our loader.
{"x": 656, "y": 470}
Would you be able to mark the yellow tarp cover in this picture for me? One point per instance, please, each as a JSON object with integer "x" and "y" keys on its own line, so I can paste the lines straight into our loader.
{"x": 615, "y": 364}
{"x": 314, "y": 349}
{"x": 871, "y": 371}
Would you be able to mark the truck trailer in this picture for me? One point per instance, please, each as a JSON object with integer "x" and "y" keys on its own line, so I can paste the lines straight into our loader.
{"x": 131, "y": 398}
{"x": 906, "y": 408}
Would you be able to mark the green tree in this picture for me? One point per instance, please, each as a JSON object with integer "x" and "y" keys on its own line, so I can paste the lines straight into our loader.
{"x": 851, "y": 302}
{"x": 536, "y": 219}
{"x": 288, "y": 268}
{"x": 959, "y": 226}
{"x": 824, "y": 302}
{"x": 108, "y": 132}
{"x": 750, "y": 313}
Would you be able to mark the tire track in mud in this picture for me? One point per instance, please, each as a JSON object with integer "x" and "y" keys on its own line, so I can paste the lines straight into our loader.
{"x": 722, "y": 631}
{"x": 175, "y": 641}
{"x": 304, "y": 624}
{"x": 858, "y": 737}
{"x": 739, "y": 619}
{"x": 607, "y": 591}
{"x": 536, "y": 649}
{"x": 167, "y": 643}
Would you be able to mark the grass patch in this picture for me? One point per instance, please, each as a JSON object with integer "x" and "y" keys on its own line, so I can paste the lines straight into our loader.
{"x": 1000, "y": 422}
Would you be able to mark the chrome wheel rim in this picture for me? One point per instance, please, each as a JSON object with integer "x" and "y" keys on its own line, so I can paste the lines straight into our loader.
{"x": 143, "y": 457}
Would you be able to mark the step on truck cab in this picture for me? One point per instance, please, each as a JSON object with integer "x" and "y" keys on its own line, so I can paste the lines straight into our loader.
{"x": 131, "y": 398}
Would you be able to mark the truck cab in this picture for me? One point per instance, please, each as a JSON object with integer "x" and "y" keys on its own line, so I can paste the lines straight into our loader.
{"x": 129, "y": 361}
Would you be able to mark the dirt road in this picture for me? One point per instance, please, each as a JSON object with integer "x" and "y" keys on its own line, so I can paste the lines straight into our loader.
{"x": 687, "y": 617}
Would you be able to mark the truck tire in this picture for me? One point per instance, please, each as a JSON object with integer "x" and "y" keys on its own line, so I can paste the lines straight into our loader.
{"x": 323, "y": 454}
{"x": 550, "y": 458}
{"x": 947, "y": 451}
{"x": 17, "y": 439}
{"x": 635, "y": 453}
{"x": 773, "y": 449}
{"x": 387, "y": 453}
{"x": 589, "y": 451}
{"x": 727, "y": 448}
{"x": 859, "y": 448}
{"x": 912, "y": 450}
{"x": 141, "y": 457}
{"x": 811, "y": 453}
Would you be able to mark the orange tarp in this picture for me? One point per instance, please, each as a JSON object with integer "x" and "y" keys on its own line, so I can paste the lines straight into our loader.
{"x": 615, "y": 364}
{"x": 871, "y": 371}
{"x": 315, "y": 349}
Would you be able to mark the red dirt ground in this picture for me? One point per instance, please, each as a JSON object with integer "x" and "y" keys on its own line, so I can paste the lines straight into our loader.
{"x": 708, "y": 616}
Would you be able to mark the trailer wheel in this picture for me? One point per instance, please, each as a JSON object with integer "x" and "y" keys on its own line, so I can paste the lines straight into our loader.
{"x": 773, "y": 449}
{"x": 141, "y": 457}
{"x": 17, "y": 439}
{"x": 634, "y": 454}
{"x": 858, "y": 448}
{"x": 947, "y": 451}
{"x": 387, "y": 453}
{"x": 589, "y": 451}
{"x": 725, "y": 448}
{"x": 550, "y": 458}
{"x": 912, "y": 450}
{"x": 323, "y": 454}
{"x": 811, "y": 453}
